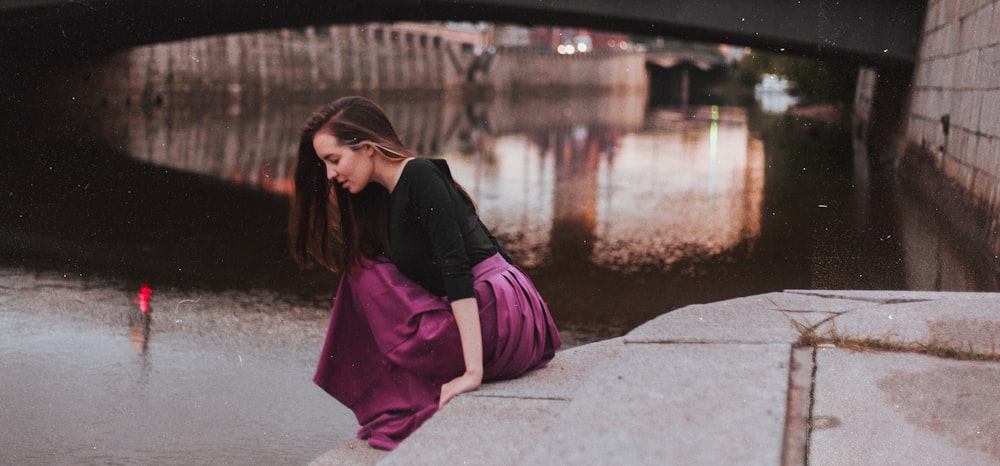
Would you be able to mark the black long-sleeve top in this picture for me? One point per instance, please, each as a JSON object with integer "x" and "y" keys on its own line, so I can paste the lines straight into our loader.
{"x": 436, "y": 235}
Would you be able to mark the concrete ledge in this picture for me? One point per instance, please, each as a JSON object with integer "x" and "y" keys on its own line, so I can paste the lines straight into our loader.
{"x": 965, "y": 322}
{"x": 352, "y": 453}
{"x": 726, "y": 383}
{"x": 683, "y": 404}
{"x": 767, "y": 318}
{"x": 481, "y": 431}
{"x": 904, "y": 409}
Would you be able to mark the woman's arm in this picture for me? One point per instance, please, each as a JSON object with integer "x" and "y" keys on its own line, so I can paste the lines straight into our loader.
{"x": 467, "y": 317}
{"x": 437, "y": 207}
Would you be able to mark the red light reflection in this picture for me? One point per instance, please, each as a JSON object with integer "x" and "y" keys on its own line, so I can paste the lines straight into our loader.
{"x": 143, "y": 298}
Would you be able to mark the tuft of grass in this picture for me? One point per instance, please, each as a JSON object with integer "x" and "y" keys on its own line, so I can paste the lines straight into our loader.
{"x": 809, "y": 337}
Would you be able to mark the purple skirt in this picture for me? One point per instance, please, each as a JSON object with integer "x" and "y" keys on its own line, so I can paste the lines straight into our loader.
{"x": 392, "y": 344}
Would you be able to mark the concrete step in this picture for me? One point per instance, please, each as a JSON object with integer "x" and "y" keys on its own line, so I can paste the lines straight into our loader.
{"x": 893, "y": 408}
{"x": 725, "y": 383}
{"x": 675, "y": 404}
{"x": 495, "y": 425}
{"x": 502, "y": 422}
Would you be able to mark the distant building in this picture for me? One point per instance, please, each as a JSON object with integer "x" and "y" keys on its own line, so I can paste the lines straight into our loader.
{"x": 578, "y": 40}
{"x": 733, "y": 53}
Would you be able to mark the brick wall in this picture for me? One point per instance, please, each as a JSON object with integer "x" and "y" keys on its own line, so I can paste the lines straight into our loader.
{"x": 953, "y": 126}
{"x": 372, "y": 57}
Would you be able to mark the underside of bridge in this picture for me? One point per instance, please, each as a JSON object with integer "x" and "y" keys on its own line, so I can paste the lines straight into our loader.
{"x": 39, "y": 38}
{"x": 870, "y": 32}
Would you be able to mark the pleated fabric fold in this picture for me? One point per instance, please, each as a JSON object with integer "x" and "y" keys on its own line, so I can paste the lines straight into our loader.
{"x": 391, "y": 344}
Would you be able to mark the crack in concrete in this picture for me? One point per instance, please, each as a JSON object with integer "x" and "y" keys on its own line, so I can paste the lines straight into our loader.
{"x": 862, "y": 299}
{"x": 812, "y": 311}
{"x": 798, "y": 415}
{"x": 812, "y": 405}
{"x": 519, "y": 397}
{"x": 936, "y": 346}
{"x": 703, "y": 342}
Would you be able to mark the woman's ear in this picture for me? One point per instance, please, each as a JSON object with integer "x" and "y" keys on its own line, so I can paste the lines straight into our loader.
{"x": 376, "y": 150}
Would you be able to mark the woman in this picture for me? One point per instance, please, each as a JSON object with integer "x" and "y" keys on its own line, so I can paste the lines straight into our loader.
{"x": 428, "y": 304}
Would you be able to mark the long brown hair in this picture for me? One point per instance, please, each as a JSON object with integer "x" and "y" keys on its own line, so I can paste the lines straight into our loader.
{"x": 327, "y": 224}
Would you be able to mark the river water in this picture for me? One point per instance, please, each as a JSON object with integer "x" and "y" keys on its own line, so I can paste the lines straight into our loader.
{"x": 619, "y": 212}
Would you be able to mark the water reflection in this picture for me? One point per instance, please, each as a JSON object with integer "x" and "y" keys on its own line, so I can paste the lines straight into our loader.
{"x": 139, "y": 332}
{"x": 689, "y": 185}
{"x": 255, "y": 146}
{"x": 596, "y": 183}
{"x": 627, "y": 189}
{"x": 773, "y": 94}
{"x": 685, "y": 183}
{"x": 140, "y": 320}
{"x": 601, "y": 197}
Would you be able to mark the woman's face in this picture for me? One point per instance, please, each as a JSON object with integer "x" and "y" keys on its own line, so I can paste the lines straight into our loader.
{"x": 351, "y": 168}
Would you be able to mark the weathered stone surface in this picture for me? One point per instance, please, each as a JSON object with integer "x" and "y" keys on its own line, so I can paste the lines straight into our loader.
{"x": 678, "y": 404}
{"x": 722, "y": 386}
{"x": 884, "y": 296}
{"x": 561, "y": 378}
{"x": 766, "y": 318}
{"x": 890, "y": 408}
{"x": 966, "y": 322}
{"x": 479, "y": 430}
{"x": 352, "y": 453}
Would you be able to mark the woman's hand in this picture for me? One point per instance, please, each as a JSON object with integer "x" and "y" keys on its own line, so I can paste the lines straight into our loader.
{"x": 467, "y": 318}
{"x": 464, "y": 383}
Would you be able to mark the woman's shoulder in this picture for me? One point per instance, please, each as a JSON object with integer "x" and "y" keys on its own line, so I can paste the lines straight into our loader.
{"x": 422, "y": 167}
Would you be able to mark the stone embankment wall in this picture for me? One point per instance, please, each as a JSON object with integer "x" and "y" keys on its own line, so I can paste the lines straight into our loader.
{"x": 952, "y": 139}
{"x": 255, "y": 66}
{"x": 370, "y": 59}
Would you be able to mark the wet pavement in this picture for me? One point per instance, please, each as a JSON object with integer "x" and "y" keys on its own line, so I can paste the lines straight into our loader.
{"x": 731, "y": 383}
{"x": 201, "y": 378}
